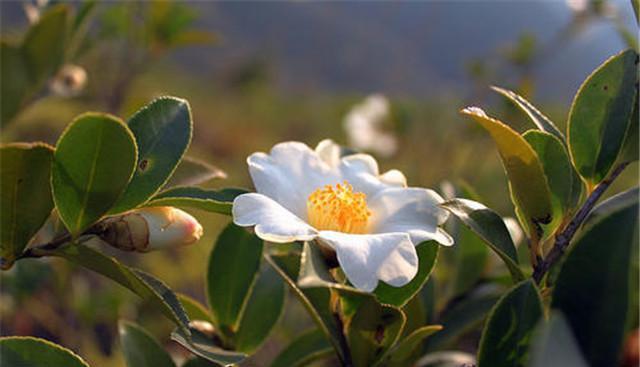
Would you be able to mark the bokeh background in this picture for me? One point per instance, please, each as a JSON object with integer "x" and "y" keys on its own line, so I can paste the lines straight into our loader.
{"x": 258, "y": 73}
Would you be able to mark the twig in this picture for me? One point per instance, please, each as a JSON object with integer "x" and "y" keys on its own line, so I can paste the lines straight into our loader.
{"x": 564, "y": 238}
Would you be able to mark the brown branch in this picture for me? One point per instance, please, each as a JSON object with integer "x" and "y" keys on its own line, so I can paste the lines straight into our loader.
{"x": 564, "y": 238}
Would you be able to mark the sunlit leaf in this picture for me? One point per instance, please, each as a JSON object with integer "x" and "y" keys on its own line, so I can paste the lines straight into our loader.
{"x": 600, "y": 115}
{"x": 25, "y": 195}
{"x": 214, "y": 201}
{"x": 93, "y": 162}
{"x": 23, "y": 351}
{"x": 407, "y": 349}
{"x": 194, "y": 309}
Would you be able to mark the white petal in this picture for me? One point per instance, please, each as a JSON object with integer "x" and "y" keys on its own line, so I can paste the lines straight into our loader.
{"x": 410, "y": 210}
{"x": 361, "y": 170}
{"x": 329, "y": 152}
{"x": 394, "y": 178}
{"x": 365, "y": 259}
{"x": 272, "y": 221}
{"x": 289, "y": 174}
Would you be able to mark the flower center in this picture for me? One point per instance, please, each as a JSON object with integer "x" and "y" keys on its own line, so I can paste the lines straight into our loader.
{"x": 338, "y": 208}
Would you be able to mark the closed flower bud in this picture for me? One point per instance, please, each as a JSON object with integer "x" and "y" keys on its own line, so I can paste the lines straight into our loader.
{"x": 69, "y": 81}
{"x": 149, "y": 229}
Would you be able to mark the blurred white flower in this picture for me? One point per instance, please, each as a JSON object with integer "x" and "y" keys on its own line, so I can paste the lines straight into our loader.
{"x": 514, "y": 229}
{"x": 363, "y": 125}
{"x": 69, "y": 81}
{"x": 372, "y": 221}
{"x": 152, "y": 228}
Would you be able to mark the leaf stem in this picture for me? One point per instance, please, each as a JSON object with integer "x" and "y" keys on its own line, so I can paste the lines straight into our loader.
{"x": 563, "y": 239}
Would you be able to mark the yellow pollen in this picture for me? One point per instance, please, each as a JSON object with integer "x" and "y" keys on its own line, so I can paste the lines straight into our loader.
{"x": 338, "y": 209}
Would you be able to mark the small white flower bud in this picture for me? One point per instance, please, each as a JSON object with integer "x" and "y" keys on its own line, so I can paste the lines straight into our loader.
{"x": 69, "y": 81}
{"x": 149, "y": 229}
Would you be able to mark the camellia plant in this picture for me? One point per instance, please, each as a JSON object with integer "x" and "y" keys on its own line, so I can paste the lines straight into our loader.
{"x": 354, "y": 246}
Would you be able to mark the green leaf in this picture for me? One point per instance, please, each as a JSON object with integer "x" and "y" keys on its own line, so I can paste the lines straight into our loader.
{"x": 45, "y": 43}
{"x": 542, "y": 122}
{"x": 233, "y": 266}
{"x": 27, "y": 351}
{"x": 194, "y": 309}
{"x": 555, "y": 345}
{"x": 144, "y": 285}
{"x": 314, "y": 271}
{"x": 491, "y": 228}
{"x": 263, "y": 309}
{"x": 372, "y": 331}
{"x": 460, "y": 319}
{"x": 600, "y": 115}
{"x": 613, "y": 204}
{"x": 163, "y": 133}
{"x": 592, "y": 288}
{"x": 507, "y": 333}
{"x": 16, "y": 87}
{"x": 191, "y": 171}
{"x": 564, "y": 183}
{"x": 25, "y": 195}
{"x": 213, "y": 201}
{"x": 526, "y": 176}
{"x": 93, "y": 162}
{"x": 140, "y": 348}
{"x": 315, "y": 300}
{"x": 202, "y": 346}
{"x": 310, "y": 346}
{"x": 405, "y": 352}
{"x": 629, "y": 152}
{"x": 399, "y": 296}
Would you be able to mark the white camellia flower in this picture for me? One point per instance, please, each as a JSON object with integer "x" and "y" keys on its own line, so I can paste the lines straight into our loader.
{"x": 363, "y": 125}
{"x": 372, "y": 221}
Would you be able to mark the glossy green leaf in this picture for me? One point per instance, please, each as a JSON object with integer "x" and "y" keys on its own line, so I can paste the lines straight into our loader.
{"x": 565, "y": 184}
{"x": 214, "y": 201}
{"x": 140, "y": 348}
{"x": 309, "y": 346}
{"x": 233, "y": 266}
{"x": 600, "y": 115}
{"x": 542, "y": 122}
{"x": 555, "y": 345}
{"x": 191, "y": 171}
{"x": 630, "y": 152}
{"x": 527, "y": 181}
{"x": 592, "y": 288}
{"x": 143, "y": 284}
{"x": 315, "y": 300}
{"x": 406, "y": 351}
{"x": 264, "y": 308}
{"x": 194, "y": 309}
{"x": 612, "y": 205}
{"x": 25, "y": 195}
{"x": 93, "y": 162}
{"x": 372, "y": 331}
{"x": 507, "y": 333}
{"x": 27, "y": 351}
{"x": 202, "y": 346}
{"x": 399, "y": 296}
{"x": 491, "y": 228}
{"x": 163, "y": 132}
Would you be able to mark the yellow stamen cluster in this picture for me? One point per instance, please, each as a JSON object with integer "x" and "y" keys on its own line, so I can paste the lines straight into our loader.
{"x": 338, "y": 208}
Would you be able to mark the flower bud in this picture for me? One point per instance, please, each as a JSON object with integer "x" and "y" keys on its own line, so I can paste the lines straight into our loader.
{"x": 69, "y": 81}
{"x": 152, "y": 228}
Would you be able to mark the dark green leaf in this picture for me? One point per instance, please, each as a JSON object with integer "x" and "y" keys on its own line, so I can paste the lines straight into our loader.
{"x": 507, "y": 333}
{"x": 93, "y": 162}
{"x": 600, "y": 115}
{"x": 202, "y": 346}
{"x": 527, "y": 181}
{"x": 629, "y": 152}
{"x": 194, "y": 197}
{"x": 592, "y": 288}
{"x": 541, "y": 121}
{"x": 491, "y": 228}
{"x": 191, "y": 171}
{"x": 306, "y": 348}
{"x": 26, "y": 351}
{"x": 613, "y": 204}
{"x": 25, "y": 195}
{"x": 163, "y": 133}
{"x": 372, "y": 331}
{"x": 405, "y": 352}
{"x": 144, "y": 285}
{"x": 264, "y": 307}
{"x": 399, "y": 296}
{"x": 233, "y": 267}
{"x": 140, "y": 349}
{"x": 16, "y": 87}
{"x": 555, "y": 345}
